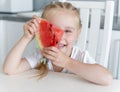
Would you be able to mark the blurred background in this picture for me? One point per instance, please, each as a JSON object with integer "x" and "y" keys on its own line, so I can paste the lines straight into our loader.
{"x": 14, "y": 13}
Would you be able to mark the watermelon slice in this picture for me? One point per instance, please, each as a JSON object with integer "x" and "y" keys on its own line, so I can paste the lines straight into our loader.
{"x": 48, "y": 35}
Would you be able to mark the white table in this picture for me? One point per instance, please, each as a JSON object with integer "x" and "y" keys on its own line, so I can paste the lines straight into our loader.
{"x": 53, "y": 82}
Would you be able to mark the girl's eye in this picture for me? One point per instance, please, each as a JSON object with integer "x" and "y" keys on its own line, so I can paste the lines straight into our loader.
{"x": 68, "y": 31}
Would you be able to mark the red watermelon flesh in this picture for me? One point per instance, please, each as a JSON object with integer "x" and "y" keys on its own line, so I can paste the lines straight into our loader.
{"x": 49, "y": 34}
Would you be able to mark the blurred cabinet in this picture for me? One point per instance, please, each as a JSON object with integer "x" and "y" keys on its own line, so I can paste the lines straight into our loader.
{"x": 114, "y": 57}
{"x": 11, "y": 32}
{"x": 13, "y": 6}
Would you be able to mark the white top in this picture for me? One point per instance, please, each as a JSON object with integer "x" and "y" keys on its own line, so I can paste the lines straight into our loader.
{"x": 77, "y": 54}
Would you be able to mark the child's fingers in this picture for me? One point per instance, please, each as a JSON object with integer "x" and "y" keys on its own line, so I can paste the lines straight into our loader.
{"x": 36, "y": 21}
{"x": 49, "y": 52}
{"x": 30, "y": 29}
{"x": 52, "y": 48}
{"x": 36, "y": 24}
{"x": 49, "y": 55}
{"x": 37, "y": 18}
{"x": 32, "y": 25}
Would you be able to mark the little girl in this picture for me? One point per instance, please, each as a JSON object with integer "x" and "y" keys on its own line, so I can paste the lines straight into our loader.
{"x": 65, "y": 58}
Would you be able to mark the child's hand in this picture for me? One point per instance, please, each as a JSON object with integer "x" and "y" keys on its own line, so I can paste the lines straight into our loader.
{"x": 31, "y": 27}
{"x": 57, "y": 57}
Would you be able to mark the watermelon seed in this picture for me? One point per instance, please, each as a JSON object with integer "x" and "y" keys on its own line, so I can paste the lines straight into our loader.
{"x": 56, "y": 42}
{"x": 50, "y": 25}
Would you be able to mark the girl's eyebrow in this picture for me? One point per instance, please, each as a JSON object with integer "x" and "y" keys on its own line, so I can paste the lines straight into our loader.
{"x": 70, "y": 28}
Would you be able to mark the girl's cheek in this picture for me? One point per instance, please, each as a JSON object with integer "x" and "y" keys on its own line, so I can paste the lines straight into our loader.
{"x": 71, "y": 40}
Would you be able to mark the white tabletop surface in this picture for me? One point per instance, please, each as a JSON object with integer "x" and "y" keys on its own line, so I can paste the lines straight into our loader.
{"x": 53, "y": 82}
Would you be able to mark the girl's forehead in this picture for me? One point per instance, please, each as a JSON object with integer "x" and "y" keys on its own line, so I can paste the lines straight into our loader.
{"x": 62, "y": 18}
{"x": 61, "y": 11}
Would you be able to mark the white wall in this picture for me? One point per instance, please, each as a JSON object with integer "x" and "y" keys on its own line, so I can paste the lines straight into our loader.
{"x": 10, "y": 33}
{"x": 2, "y": 41}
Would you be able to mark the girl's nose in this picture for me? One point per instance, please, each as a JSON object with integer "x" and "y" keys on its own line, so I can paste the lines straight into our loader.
{"x": 64, "y": 36}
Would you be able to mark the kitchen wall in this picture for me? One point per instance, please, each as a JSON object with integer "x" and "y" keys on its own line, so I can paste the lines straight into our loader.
{"x": 12, "y": 26}
{"x": 38, "y": 4}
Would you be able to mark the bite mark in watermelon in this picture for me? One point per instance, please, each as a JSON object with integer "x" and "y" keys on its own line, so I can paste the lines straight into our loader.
{"x": 48, "y": 35}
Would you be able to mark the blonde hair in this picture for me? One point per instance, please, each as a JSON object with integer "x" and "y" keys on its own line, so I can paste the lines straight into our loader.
{"x": 51, "y": 7}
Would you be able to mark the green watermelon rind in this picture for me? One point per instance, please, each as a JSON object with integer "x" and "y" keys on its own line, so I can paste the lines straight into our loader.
{"x": 39, "y": 44}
